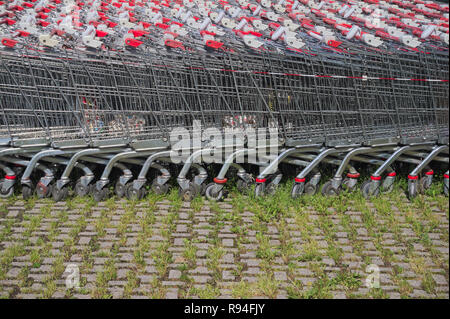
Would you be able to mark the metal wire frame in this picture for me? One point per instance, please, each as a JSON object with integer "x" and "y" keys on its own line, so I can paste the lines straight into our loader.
{"x": 140, "y": 95}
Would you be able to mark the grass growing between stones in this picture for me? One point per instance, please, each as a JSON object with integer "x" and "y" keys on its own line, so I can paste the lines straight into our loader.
{"x": 274, "y": 247}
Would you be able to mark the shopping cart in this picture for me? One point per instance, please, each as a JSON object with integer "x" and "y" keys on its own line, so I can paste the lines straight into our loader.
{"x": 109, "y": 87}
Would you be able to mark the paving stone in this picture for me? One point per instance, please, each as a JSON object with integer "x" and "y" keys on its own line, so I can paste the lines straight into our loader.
{"x": 226, "y": 242}
{"x": 174, "y": 274}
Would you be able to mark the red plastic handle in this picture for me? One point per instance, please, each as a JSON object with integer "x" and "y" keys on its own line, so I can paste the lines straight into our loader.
{"x": 173, "y": 44}
{"x": 9, "y": 42}
{"x": 138, "y": 33}
{"x": 133, "y": 42}
{"x": 101, "y": 34}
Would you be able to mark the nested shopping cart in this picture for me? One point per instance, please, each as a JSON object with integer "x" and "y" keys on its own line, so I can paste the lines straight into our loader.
{"x": 115, "y": 94}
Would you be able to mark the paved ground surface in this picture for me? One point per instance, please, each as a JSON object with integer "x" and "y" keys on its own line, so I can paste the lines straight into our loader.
{"x": 160, "y": 247}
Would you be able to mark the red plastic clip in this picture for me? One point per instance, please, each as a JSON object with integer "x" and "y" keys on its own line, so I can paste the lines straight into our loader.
{"x": 9, "y": 42}
{"x": 214, "y": 44}
{"x": 111, "y": 24}
{"x": 162, "y": 25}
{"x": 22, "y": 33}
{"x": 8, "y": 21}
{"x": 334, "y": 43}
{"x": 43, "y": 23}
{"x": 145, "y": 24}
{"x": 100, "y": 33}
{"x": 202, "y": 33}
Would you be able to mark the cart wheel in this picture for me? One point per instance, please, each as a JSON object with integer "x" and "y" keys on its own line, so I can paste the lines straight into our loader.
{"x": 120, "y": 189}
{"x": 43, "y": 191}
{"x": 389, "y": 189}
{"x": 297, "y": 190}
{"x": 189, "y": 193}
{"x": 271, "y": 189}
{"x": 424, "y": 184}
{"x": 160, "y": 189}
{"x": 365, "y": 189}
{"x": 136, "y": 194}
{"x": 346, "y": 185}
{"x": 329, "y": 190}
{"x": 310, "y": 189}
{"x": 260, "y": 189}
{"x": 27, "y": 191}
{"x": 211, "y": 194}
{"x": 242, "y": 186}
{"x": 81, "y": 190}
{"x": 8, "y": 193}
{"x": 60, "y": 194}
{"x": 100, "y": 195}
{"x": 412, "y": 190}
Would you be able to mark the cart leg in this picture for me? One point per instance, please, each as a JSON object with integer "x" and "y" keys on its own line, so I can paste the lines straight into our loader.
{"x": 159, "y": 186}
{"x": 299, "y": 186}
{"x": 413, "y": 177}
{"x": 446, "y": 183}
{"x": 101, "y": 192}
{"x": 7, "y": 183}
{"x": 272, "y": 168}
{"x": 188, "y": 189}
{"x": 214, "y": 191}
{"x": 372, "y": 187}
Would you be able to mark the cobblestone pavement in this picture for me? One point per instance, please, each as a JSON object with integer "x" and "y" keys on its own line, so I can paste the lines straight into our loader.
{"x": 161, "y": 247}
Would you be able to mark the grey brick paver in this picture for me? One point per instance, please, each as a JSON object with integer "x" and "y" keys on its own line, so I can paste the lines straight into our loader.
{"x": 220, "y": 254}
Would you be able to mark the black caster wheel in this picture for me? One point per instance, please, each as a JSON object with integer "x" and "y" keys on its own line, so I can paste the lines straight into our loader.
{"x": 424, "y": 184}
{"x": 297, "y": 190}
{"x": 100, "y": 195}
{"x": 329, "y": 190}
{"x": 189, "y": 193}
{"x": 412, "y": 190}
{"x": 8, "y": 193}
{"x": 60, "y": 194}
{"x": 81, "y": 190}
{"x": 310, "y": 189}
{"x": 137, "y": 194}
{"x": 260, "y": 189}
{"x": 365, "y": 189}
{"x": 388, "y": 189}
{"x": 43, "y": 191}
{"x": 243, "y": 186}
{"x": 211, "y": 194}
{"x": 120, "y": 189}
{"x": 271, "y": 189}
{"x": 159, "y": 189}
{"x": 27, "y": 191}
